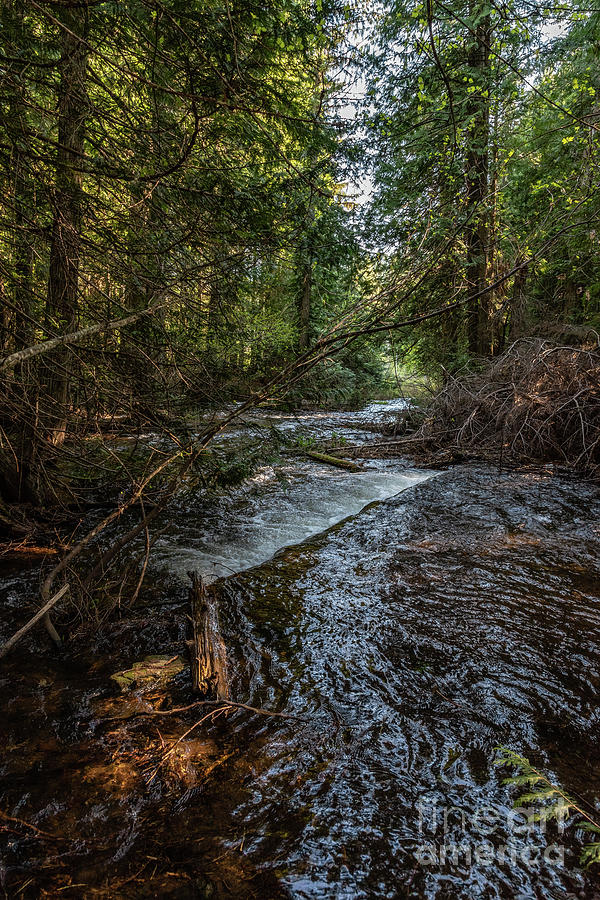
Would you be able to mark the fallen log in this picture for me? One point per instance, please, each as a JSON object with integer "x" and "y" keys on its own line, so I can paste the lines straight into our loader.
{"x": 209, "y": 657}
{"x": 42, "y": 613}
{"x": 23, "y": 551}
{"x": 351, "y": 449}
{"x": 333, "y": 460}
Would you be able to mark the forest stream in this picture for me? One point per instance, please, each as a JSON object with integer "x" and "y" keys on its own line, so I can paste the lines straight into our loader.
{"x": 408, "y": 622}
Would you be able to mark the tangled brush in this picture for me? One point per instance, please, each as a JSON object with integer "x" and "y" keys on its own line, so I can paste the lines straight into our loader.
{"x": 537, "y": 402}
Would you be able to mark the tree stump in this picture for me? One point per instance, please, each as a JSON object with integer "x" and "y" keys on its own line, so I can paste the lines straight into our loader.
{"x": 209, "y": 657}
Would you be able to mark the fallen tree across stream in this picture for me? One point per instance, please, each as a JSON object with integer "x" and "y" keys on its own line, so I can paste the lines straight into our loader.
{"x": 333, "y": 460}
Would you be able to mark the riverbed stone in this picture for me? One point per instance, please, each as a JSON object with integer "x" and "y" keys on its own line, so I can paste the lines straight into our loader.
{"x": 152, "y": 670}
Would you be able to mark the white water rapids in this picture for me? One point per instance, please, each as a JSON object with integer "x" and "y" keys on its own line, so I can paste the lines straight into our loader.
{"x": 284, "y": 504}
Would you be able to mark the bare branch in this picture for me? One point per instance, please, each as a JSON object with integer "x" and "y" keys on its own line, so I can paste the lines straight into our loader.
{"x": 9, "y": 362}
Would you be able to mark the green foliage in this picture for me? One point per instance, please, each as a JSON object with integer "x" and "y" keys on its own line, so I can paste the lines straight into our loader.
{"x": 305, "y": 443}
{"x": 449, "y": 95}
{"x": 552, "y": 801}
{"x": 227, "y": 468}
{"x": 190, "y": 163}
{"x": 346, "y": 380}
{"x": 209, "y": 183}
{"x": 590, "y": 853}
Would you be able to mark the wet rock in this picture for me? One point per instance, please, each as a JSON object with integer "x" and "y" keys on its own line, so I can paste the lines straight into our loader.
{"x": 152, "y": 670}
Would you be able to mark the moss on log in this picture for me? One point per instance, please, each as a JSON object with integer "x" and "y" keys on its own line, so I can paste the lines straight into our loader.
{"x": 333, "y": 460}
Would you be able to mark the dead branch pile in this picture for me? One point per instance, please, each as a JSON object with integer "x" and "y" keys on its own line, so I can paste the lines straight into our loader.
{"x": 537, "y": 402}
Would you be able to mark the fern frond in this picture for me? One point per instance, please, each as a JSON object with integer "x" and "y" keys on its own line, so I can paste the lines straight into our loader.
{"x": 527, "y": 780}
{"x": 590, "y": 855}
{"x": 528, "y": 776}
{"x": 537, "y": 796}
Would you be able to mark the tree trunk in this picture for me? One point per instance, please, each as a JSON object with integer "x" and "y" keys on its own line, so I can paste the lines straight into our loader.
{"x": 518, "y": 305}
{"x": 477, "y": 171}
{"x": 62, "y": 300}
{"x": 305, "y": 298}
{"x": 494, "y": 336}
{"x": 23, "y": 256}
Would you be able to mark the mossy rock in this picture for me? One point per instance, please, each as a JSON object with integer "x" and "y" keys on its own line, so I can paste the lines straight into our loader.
{"x": 150, "y": 671}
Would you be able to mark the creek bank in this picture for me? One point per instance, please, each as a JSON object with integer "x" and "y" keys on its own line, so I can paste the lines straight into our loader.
{"x": 537, "y": 403}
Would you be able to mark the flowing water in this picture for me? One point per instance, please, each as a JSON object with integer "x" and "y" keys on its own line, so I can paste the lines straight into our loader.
{"x": 411, "y": 621}
{"x": 285, "y": 503}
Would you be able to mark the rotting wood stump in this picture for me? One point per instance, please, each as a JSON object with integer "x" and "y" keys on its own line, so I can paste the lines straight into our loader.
{"x": 209, "y": 657}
